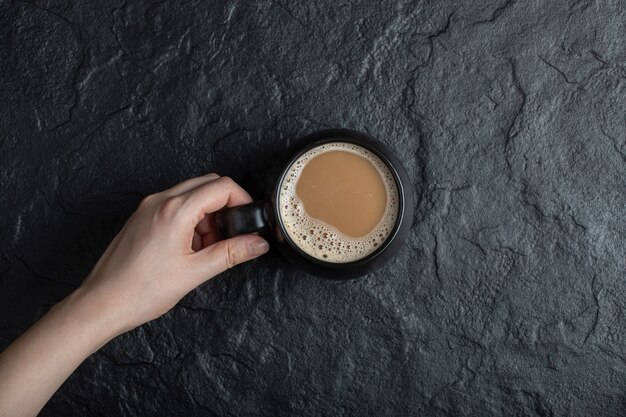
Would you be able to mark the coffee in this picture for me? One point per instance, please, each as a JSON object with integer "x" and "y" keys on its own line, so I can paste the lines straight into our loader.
{"x": 338, "y": 202}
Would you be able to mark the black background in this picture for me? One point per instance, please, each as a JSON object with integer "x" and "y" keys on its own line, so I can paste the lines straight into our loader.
{"x": 509, "y": 297}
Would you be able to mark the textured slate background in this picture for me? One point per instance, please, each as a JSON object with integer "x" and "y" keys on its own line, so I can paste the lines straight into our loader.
{"x": 509, "y": 297}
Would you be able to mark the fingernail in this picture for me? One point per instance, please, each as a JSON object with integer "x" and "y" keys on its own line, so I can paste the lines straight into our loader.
{"x": 258, "y": 246}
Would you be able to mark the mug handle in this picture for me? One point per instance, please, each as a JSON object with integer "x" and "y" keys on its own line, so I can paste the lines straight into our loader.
{"x": 253, "y": 217}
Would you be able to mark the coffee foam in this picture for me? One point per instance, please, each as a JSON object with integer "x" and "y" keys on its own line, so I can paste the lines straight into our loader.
{"x": 321, "y": 240}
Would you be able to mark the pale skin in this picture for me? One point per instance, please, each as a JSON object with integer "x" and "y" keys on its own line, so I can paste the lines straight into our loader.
{"x": 167, "y": 248}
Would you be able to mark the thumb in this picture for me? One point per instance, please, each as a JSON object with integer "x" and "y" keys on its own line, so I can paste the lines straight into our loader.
{"x": 227, "y": 253}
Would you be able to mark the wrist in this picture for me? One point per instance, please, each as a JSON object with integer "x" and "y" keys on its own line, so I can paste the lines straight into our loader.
{"x": 88, "y": 312}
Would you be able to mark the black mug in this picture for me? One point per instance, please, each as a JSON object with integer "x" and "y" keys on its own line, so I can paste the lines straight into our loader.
{"x": 264, "y": 217}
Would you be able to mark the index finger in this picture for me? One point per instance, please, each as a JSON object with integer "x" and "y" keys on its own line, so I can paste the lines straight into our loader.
{"x": 214, "y": 195}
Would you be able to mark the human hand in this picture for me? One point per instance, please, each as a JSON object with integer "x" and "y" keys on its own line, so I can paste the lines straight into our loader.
{"x": 167, "y": 248}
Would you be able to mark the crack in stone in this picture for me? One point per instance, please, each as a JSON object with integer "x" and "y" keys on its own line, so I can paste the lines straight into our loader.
{"x": 233, "y": 358}
{"x": 510, "y": 135}
{"x": 119, "y": 363}
{"x": 78, "y": 33}
{"x": 576, "y": 222}
{"x": 5, "y": 266}
{"x": 507, "y": 249}
{"x": 50, "y": 11}
{"x": 436, "y": 258}
{"x": 413, "y": 72}
{"x": 421, "y": 185}
{"x": 612, "y": 354}
{"x": 561, "y": 73}
{"x": 496, "y": 13}
{"x": 202, "y": 309}
{"x": 70, "y": 154}
{"x": 75, "y": 89}
{"x": 87, "y": 140}
{"x": 614, "y": 141}
{"x": 577, "y": 8}
{"x": 217, "y": 142}
{"x": 119, "y": 42}
{"x": 38, "y": 275}
{"x": 453, "y": 189}
{"x": 549, "y": 217}
{"x": 64, "y": 205}
{"x": 596, "y": 316}
{"x": 290, "y": 13}
{"x": 442, "y": 389}
{"x": 475, "y": 244}
{"x": 414, "y": 118}
{"x": 598, "y": 57}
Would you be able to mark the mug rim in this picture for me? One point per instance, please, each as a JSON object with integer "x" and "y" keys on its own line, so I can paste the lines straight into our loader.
{"x": 357, "y": 138}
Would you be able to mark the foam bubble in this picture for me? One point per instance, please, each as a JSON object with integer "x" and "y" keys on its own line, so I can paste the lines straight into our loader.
{"x": 324, "y": 242}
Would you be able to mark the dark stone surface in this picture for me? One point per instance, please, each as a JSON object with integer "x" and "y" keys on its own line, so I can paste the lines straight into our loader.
{"x": 510, "y": 296}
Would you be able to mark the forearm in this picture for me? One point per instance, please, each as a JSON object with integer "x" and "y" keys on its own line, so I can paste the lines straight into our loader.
{"x": 168, "y": 247}
{"x": 34, "y": 366}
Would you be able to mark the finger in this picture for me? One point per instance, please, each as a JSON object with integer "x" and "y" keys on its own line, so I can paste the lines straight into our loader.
{"x": 199, "y": 242}
{"x": 189, "y": 185}
{"x": 214, "y": 195}
{"x": 206, "y": 225}
{"x": 210, "y": 238}
{"x": 196, "y": 242}
{"x": 227, "y": 253}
